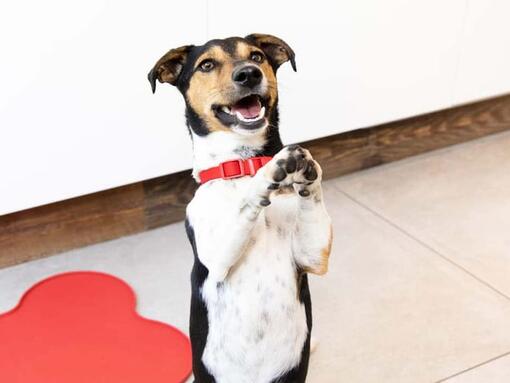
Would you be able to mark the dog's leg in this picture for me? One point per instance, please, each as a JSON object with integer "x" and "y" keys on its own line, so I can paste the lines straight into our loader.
{"x": 226, "y": 227}
{"x": 313, "y": 232}
{"x": 312, "y": 235}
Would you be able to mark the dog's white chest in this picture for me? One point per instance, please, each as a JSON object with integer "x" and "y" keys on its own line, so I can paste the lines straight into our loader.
{"x": 257, "y": 325}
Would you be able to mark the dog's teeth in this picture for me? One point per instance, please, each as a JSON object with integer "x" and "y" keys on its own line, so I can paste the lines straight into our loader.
{"x": 242, "y": 118}
{"x": 226, "y": 110}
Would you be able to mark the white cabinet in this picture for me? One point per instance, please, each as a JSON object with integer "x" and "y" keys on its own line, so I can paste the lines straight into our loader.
{"x": 484, "y": 61}
{"x": 77, "y": 114}
{"x": 360, "y": 63}
{"x": 76, "y": 111}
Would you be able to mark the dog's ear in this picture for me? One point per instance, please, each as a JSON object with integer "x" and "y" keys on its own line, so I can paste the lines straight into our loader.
{"x": 276, "y": 49}
{"x": 169, "y": 67}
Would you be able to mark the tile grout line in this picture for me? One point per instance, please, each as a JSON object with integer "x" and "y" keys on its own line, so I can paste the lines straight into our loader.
{"x": 427, "y": 246}
{"x": 474, "y": 367}
{"x": 422, "y": 243}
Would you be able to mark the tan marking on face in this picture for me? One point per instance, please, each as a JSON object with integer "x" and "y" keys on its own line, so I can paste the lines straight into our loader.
{"x": 209, "y": 88}
{"x": 272, "y": 86}
{"x": 243, "y": 50}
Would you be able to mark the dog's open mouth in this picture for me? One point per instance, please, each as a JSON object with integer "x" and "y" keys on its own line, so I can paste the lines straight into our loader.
{"x": 248, "y": 112}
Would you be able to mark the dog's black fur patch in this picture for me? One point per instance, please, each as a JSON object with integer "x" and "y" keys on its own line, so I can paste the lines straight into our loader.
{"x": 198, "y": 322}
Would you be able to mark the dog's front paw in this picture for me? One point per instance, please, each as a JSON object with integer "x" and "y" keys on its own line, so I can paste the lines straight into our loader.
{"x": 293, "y": 166}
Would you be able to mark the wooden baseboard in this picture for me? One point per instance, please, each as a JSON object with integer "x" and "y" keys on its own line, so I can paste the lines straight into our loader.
{"x": 109, "y": 214}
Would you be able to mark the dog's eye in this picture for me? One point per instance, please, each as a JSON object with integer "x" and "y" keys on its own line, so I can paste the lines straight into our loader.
{"x": 206, "y": 65}
{"x": 257, "y": 57}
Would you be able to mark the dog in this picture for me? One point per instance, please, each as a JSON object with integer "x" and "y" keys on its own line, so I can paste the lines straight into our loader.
{"x": 257, "y": 223}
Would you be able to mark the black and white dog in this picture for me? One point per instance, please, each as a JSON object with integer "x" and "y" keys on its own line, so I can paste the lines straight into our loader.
{"x": 255, "y": 234}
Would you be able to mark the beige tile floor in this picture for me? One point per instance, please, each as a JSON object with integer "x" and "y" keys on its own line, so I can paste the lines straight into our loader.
{"x": 419, "y": 284}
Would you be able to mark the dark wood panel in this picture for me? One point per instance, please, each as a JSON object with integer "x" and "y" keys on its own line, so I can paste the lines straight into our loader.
{"x": 166, "y": 198}
{"x": 69, "y": 224}
{"x": 160, "y": 201}
{"x": 420, "y": 134}
{"x": 342, "y": 153}
{"x": 360, "y": 149}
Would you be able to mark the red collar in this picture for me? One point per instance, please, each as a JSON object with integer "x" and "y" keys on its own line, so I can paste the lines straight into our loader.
{"x": 234, "y": 169}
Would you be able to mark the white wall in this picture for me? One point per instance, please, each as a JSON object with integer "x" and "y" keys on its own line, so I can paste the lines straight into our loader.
{"x": 77, "y": 114}
{"x": 484, "y": 60}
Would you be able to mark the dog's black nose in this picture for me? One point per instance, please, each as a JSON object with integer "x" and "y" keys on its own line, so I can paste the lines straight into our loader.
{"x": 247, "y": 76}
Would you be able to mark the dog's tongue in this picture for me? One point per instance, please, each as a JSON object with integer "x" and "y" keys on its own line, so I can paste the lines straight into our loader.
{"x": 249, "y": 107}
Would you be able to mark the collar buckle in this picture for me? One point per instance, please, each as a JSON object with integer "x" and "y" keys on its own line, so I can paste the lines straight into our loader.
{"x": 232, "y": 169}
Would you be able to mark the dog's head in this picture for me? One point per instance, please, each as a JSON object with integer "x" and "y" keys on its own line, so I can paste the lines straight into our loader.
{"x": 228, "y": 85}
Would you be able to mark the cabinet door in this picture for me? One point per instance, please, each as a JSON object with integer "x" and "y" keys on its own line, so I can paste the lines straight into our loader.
{"x": 76, "y": 111}
{"x": 484, "y": 64}
{"x": 360, "y": 63}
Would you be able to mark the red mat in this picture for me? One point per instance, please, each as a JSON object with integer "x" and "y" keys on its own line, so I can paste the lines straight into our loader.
{"x": 83, "y": 327}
